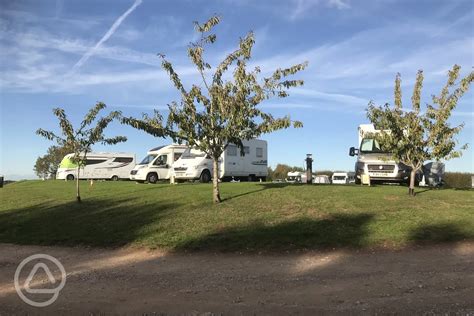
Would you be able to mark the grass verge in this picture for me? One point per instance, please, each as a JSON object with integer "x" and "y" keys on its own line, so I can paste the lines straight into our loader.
{"x": 253, "y": 217}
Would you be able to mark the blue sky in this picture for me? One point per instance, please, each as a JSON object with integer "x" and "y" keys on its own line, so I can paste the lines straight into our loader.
{"x": 74, "y": 53}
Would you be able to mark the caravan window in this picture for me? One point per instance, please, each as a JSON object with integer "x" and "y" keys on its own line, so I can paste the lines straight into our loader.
{"x": 123, "y": 159}
{"x": 231, "y": 150}
{"x": 94, "y": 161}
{"x": 246, "y": 150}
{"x": 259, "y": 152}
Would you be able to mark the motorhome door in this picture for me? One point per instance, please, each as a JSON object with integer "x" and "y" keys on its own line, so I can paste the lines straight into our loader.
{"x": 162, "y": 166}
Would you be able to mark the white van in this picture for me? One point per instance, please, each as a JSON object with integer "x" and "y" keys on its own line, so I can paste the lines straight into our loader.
{"x": 343, "y": 177}
{"x": 194, "y": 164}
{"x": 113, "y": 166}
{"x": 157, "y": 165}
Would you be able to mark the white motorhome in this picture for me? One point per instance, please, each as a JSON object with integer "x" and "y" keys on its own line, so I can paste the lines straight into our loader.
{"x": 113, "y": 166}
{"x": 252, "y": 166}
{"x": 298, "y": 177}
{"x": 375, "y": 162}
{"x": 343, "y": 177}
{"x": 294, "y": 177}
{"x": 157, "y": 165}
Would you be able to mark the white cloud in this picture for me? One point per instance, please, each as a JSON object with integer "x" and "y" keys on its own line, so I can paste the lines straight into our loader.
{"x": 302, "y": 7}
{"x": 345, "y": 100}
{"x": 106, "y": 36}
{"x": 339, "y": 4}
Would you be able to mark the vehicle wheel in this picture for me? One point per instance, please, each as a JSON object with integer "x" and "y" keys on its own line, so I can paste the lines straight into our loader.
{"x": 114, "y": 178}
{"x": 152, "y": 178}
{"x": 205, "y": 177}
{"x": 70, "y": 177}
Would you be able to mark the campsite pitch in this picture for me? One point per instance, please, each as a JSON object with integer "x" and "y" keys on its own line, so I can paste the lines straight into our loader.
{"x": 254, "y": 217}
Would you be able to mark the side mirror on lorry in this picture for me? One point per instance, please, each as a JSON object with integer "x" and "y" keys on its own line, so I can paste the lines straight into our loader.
{"x": 353, "y": 151}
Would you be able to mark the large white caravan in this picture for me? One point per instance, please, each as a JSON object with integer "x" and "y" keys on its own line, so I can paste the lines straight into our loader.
{"x": 157, "y": 165}
{"x": 113, "y": 166}
{"x": 343, "y": 177}
{"x": 194, "y": 164}
{"x": 375, "y": 162}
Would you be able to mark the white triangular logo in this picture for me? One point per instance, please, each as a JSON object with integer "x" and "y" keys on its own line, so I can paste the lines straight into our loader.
{"x": 32, "y": 275}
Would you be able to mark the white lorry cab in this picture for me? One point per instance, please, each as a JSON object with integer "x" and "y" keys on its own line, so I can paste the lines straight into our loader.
{"x": 113, "y": 166}
{"x": 343, "y": 177}
{"x": 157, "y": 165}
{"x": 252, "y": 166}
{"x": 373, "y": 161}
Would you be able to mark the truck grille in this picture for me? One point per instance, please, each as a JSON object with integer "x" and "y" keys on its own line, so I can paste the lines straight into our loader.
{"x": 381, "y": 168}
{"x": 180, "y": 169}
{"x": 133, "y": 172}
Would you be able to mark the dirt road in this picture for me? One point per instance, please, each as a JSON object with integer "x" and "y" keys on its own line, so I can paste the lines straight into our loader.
{"x": 432, "y": 279}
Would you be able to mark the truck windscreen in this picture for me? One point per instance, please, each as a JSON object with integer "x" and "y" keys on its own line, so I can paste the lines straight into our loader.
{"x": 370, "y": 145}
{"x": 147, "y": 160}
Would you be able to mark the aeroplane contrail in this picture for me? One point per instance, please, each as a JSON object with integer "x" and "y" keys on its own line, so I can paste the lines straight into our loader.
{"x": 107, "y": 35}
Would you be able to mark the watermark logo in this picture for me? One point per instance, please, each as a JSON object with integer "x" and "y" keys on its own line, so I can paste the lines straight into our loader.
{"x": 44, "y": 265}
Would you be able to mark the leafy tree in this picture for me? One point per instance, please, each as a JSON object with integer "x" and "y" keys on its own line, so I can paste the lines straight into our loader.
{"x": 270, "y": 176}
{"x": 221, "y": 109}
{"x": 46, "y": 166}
{"x": 80, "y": 140}
{"x": 415, "y": 136}
{"x": 41, "y": 167}
{"x": 281, "y": 171}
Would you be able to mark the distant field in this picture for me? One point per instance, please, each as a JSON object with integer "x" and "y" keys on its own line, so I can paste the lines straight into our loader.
{"x": 254, "y": 216}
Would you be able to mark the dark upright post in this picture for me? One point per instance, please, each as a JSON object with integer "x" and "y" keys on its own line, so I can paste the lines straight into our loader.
{"x": 309, "y": 168}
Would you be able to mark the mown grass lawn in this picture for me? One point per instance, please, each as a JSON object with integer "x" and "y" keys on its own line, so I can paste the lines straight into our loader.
{"x": 254, "y": 216}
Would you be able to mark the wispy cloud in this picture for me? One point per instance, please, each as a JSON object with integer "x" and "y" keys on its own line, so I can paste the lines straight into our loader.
{"x": 343, "y": 99}
{"x": 107, "y": 35}
{"x": 340, "y": 4}
{"x": 301, "y": 7}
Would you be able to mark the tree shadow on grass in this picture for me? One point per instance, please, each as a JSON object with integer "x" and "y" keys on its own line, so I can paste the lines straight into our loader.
{"x": 94, "y": 222}
{"x": 438, "y": 233}
{"x": 261, "y": 187}
{"x": 340, "y": 230}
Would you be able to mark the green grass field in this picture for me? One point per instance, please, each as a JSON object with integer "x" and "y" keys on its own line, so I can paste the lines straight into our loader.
{"x": 253, "y": 217}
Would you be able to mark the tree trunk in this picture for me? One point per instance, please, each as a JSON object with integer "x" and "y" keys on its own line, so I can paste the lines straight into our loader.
{"x": 216, "y": 196}
{"x": 411, "y": 189}
{"x": 78, "y": 195}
